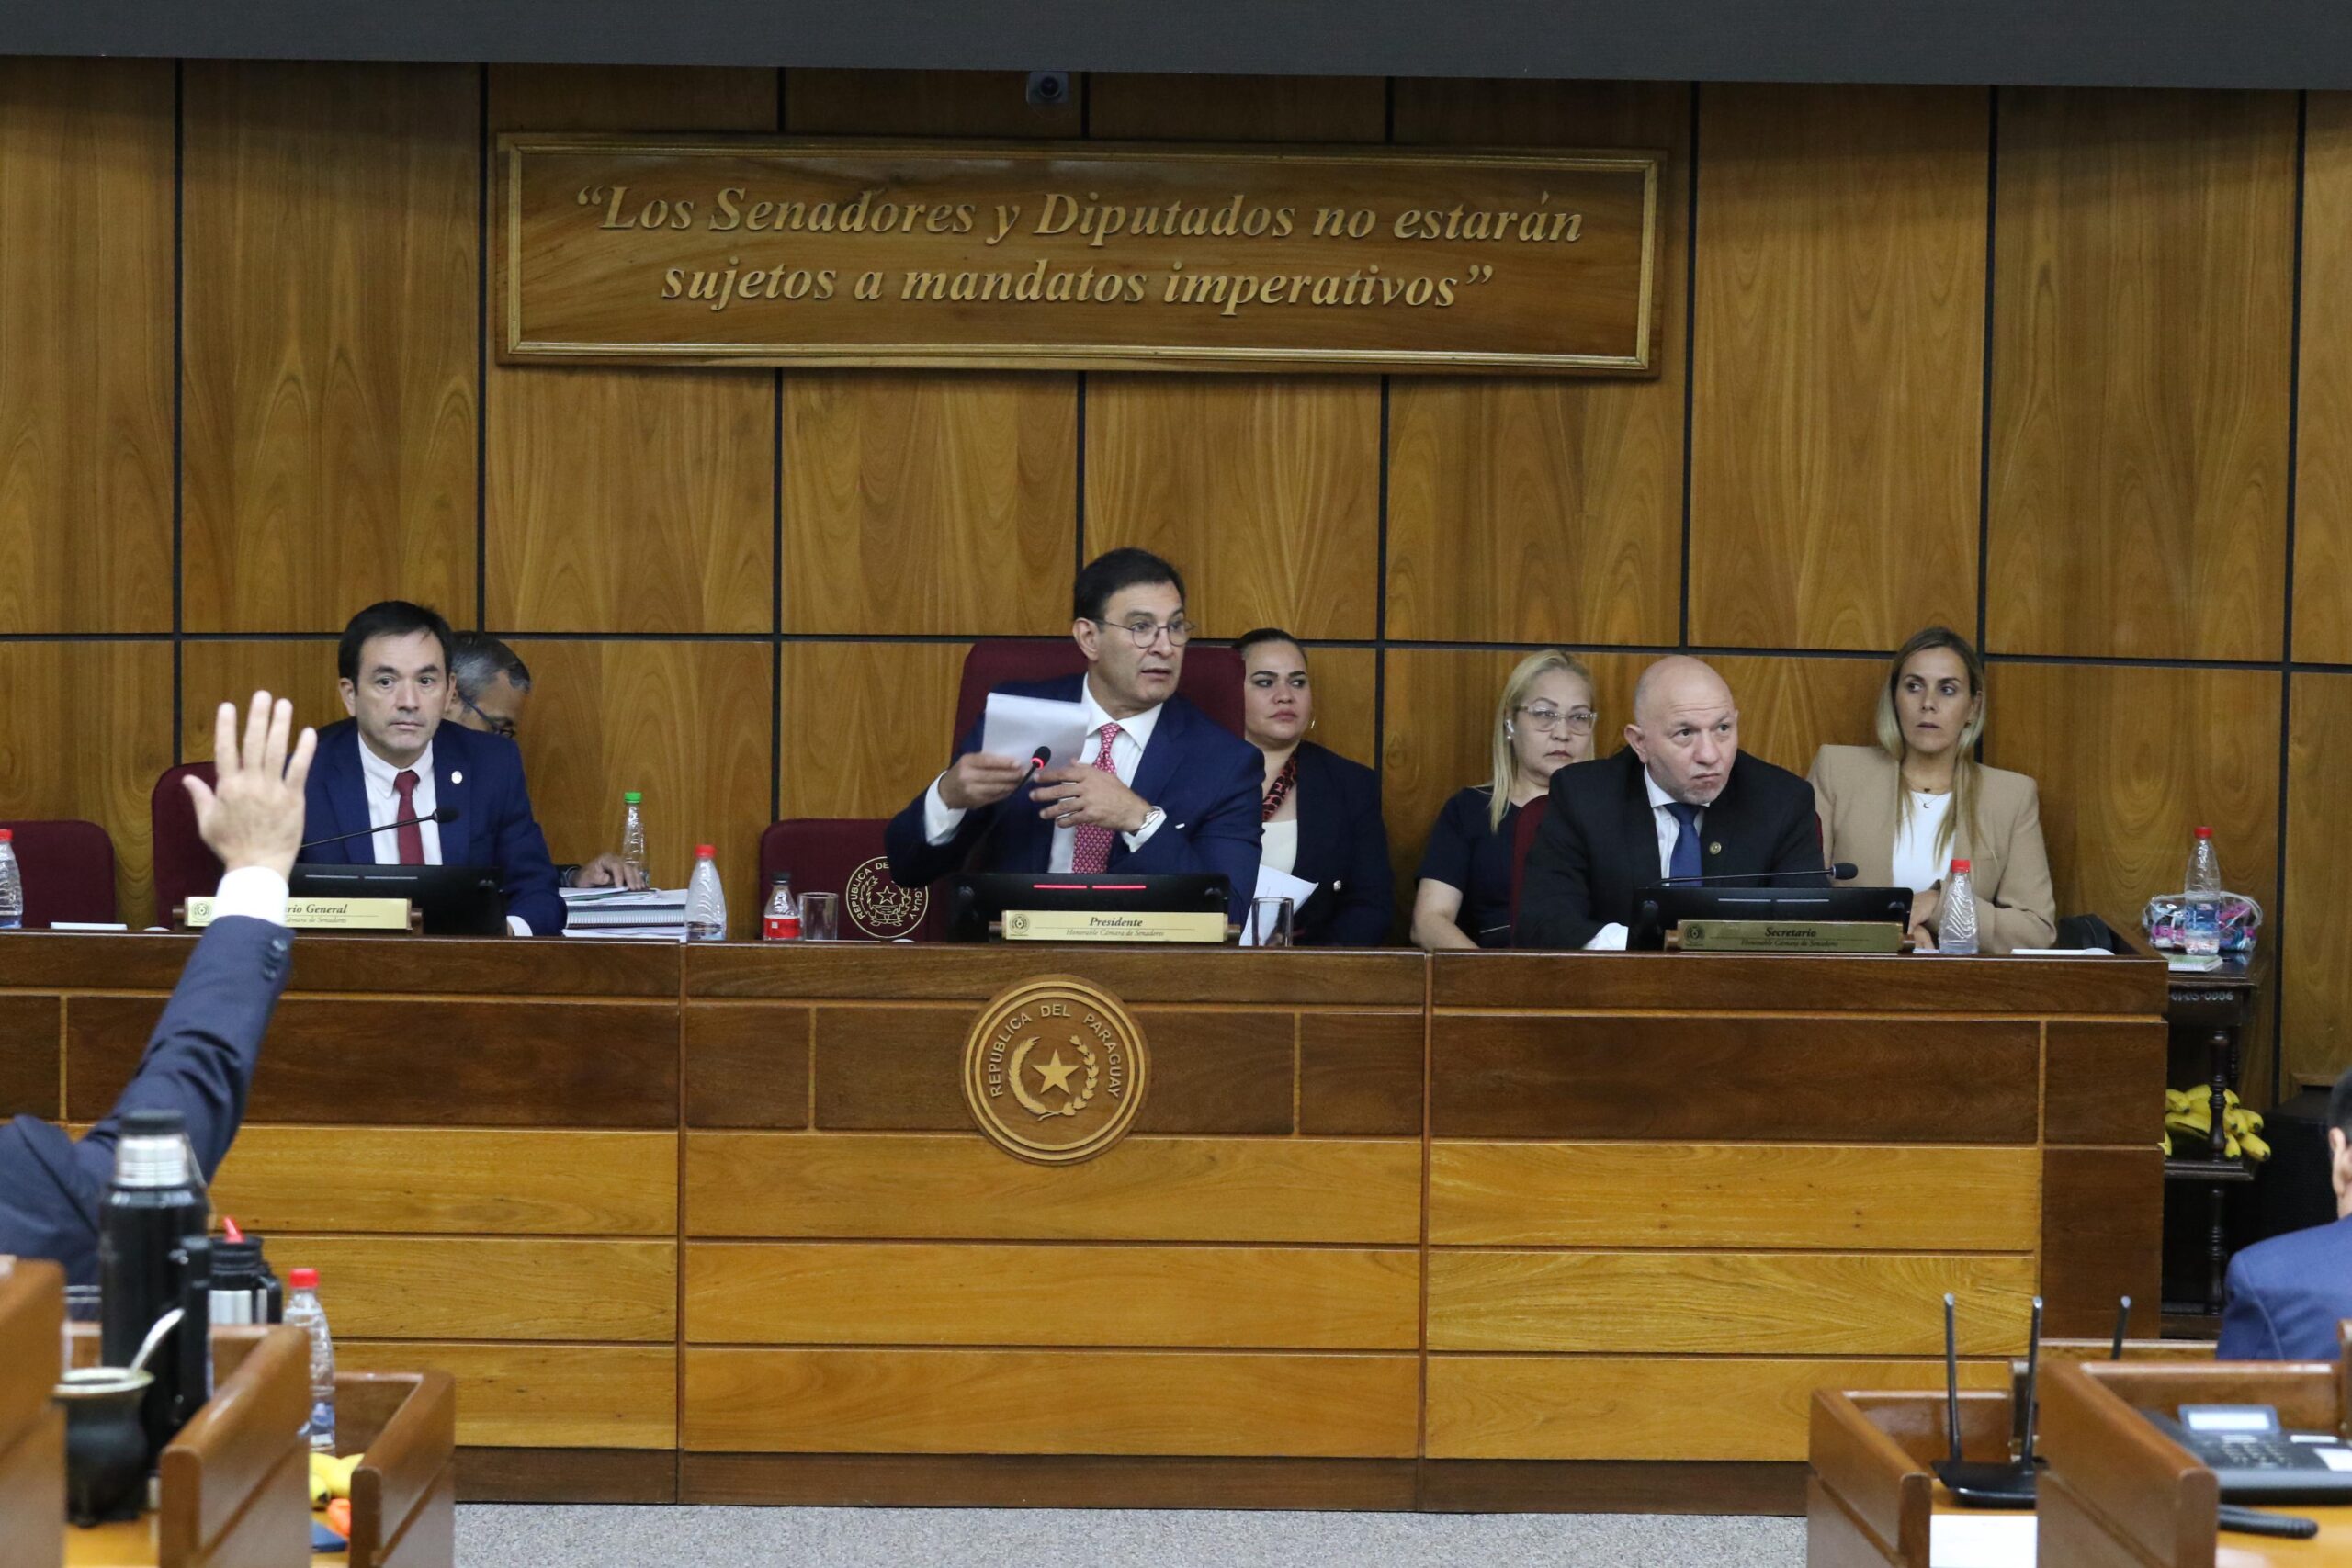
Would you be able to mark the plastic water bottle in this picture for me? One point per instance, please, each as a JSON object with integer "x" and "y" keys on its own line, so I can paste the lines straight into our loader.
{"x": 12, "y": 885}
{"x": 303, "y": 1311}
{"x": 705, "y": 900}
{"x": 781, "y": 920}
{"x": 633, "y": 832}
{"x": 2201, "y": 898}
{"x": 1958, "y": 932}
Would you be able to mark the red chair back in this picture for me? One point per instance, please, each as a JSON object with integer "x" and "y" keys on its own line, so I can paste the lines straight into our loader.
{"x": 1522, "y": 843}
{"x": 1211, "y": 682}
{"x": 843, "y": 855}
{"x": 68, "y": 868}
{"x": 185, "y": 869}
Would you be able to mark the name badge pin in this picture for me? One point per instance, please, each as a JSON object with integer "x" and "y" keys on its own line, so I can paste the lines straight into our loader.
{"x": 1715, "y": 848}
{"x": 461, "y": 778}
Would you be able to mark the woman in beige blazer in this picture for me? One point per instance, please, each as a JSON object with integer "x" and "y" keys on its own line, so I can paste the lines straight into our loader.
{"x": 1903, "y": 810}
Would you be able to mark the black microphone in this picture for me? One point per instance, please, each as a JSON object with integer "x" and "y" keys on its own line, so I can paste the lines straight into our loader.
{"x": 1844, "y": 871}
{"x": 444, "y": 817}
{"x": 1040, "y": 757}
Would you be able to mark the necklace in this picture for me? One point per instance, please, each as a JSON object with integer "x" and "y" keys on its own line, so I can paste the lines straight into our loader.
{"x": 1284, "y": 782}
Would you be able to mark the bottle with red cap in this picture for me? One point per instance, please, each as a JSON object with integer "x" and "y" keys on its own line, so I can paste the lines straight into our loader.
{"x": 12, "y": 885}
{"x": 303, "y": 1311}
{"x": 1956, "y": 932}
{"x": 706, "y": 899}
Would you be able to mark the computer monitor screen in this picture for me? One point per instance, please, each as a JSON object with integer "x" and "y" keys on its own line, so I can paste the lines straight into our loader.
{"x": 457, "y": 901}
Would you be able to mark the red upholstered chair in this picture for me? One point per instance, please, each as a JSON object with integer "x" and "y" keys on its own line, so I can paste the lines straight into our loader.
{"x": 185, "y": 869}
{"x": 1522, "y": 843}
{"x": 1212, "y": 678}
{"x": 843, "y": 855}
{"x": 68, "y": 868}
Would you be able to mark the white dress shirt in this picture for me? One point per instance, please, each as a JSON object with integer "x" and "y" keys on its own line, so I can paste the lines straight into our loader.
{"x": 384, "y": 806}
{"x": 1915, "y": 864}
{"x": 254, "y": 891}
{"x": 939, "y": 820}
{"x": 1611, "y": 938}
{"x": 1278, "y": 846}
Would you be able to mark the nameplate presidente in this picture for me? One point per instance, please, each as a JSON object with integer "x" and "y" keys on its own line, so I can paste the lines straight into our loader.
{"x": 1114, "y": 925}
{"x": 767, "y": 251}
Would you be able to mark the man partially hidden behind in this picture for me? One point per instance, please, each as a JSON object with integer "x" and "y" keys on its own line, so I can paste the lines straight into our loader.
{"x": 1680, "y": 800}
{"x": 1159, "y": 789}
{"x": 2287, "y": 1294}
{"x": 395, "y": 762}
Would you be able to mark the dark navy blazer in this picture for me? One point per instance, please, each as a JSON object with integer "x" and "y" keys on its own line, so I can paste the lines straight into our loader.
{"x": 2287, "y": 1294}
{"x": 494, "y": 825}
{"x": 1206, "y": 778}
{"x": 1342, "y": 848}
{"x": 198, "y": 1062}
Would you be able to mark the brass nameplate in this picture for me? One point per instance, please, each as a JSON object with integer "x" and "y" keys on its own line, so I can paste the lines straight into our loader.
{"x": 323, "y": 914}
{"x": 770, "y": 251}
{"x": 1112, "y": 925}
{"x": 1791, "y": 936}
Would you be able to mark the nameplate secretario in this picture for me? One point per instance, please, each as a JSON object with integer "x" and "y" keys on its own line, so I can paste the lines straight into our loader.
{"x": 1789, "y": 936}
{"x": 699, "y": 250}
{"x": 323, "y": 914}
{"x": 1112, "y": 925}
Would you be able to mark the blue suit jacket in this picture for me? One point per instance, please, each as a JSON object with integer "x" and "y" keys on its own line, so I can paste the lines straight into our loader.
{"x": 1343, "y": 847}
{"x": 2287, "y": 1294}
{"x": 198, "y": 1062}
{"x": 494, "y": 825}
{"x": 1206, "y": 778}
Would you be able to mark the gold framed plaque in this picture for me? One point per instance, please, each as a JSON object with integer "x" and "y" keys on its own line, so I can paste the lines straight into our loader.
{"x": 1055, "y": 1070}
{"x": 1791, "y": 936}
{"x": 320, "y": 914}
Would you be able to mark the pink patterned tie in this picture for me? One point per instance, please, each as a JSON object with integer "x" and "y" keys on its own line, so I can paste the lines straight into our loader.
{"x": 1092, "y": 850}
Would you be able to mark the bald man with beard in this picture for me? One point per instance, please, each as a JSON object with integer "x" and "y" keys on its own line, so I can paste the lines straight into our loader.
{"x": 1680, "y": 800}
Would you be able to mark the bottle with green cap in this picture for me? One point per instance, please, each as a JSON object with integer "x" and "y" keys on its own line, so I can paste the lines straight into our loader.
{"x": 633, "y": 831}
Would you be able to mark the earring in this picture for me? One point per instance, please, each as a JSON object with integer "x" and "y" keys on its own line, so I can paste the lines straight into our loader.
{"x": 1510, "y": 730}
{"x": 1312, "y": 723}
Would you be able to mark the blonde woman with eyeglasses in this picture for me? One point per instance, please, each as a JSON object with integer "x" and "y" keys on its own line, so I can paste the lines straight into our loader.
{"x": 1544, "y": 722}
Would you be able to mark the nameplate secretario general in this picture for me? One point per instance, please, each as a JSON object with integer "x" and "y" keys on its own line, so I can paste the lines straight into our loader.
{"x": 762, "y": 251}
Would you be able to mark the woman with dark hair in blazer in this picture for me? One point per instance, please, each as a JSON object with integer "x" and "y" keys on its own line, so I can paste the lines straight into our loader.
{"x": 1903, "y": 810}
{"x": 1320, "y": 821}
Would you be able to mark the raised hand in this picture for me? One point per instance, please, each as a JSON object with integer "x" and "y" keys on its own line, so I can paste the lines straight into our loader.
{"x": 252, "y": 813}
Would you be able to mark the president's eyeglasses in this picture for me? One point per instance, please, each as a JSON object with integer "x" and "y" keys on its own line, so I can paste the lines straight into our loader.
{"x": 1145, "y": 632}
{"x": 1548, "y": 720}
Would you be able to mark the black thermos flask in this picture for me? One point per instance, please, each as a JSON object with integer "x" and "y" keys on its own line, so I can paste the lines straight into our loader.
{"x": 156, "y": 1200}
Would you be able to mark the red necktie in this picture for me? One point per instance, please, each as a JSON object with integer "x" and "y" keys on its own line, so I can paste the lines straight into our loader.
{"x": 411, "y": 836}
{"x": 1092, "y": 851}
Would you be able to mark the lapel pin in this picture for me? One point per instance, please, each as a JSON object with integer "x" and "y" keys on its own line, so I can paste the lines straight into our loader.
{"x": 461, "y": 778}
{"x": 1715, "y": 848}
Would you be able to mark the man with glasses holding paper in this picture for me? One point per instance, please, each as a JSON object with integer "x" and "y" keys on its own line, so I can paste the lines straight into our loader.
{"x": 1155, "y": 786}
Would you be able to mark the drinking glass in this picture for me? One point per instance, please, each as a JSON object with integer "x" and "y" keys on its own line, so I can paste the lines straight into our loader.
{"x": 1270, "y": 922}
{"x": 821, "y": 917}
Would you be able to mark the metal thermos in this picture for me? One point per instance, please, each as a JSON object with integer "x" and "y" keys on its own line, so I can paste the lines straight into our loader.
{"x": 156, "y": 1200}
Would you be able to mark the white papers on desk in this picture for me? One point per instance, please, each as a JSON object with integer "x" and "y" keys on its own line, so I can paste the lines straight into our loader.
{"x": 2060, "y": 952}
{"x": 1272, "y": 884}
{"x": 1981, "y": 1540}
{"x": 653, "y": 914}
{"x": 1016, "y": 727}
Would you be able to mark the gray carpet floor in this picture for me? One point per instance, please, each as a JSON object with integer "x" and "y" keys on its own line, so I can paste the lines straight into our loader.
{"x": 504, "y": 1536}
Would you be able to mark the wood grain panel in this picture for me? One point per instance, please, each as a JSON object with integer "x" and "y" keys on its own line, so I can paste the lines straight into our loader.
{"x": 746, "y": 1066}
{"x": 2101, "y": 1083}
{"x": 923, "y": 103}
{"x": 677, "y": 721}
{"x": 587, "y": 1065}
{"x": 1526, "y": 510}
{"x": 865, "y": 725}
{"x": 302, "y": 671}
{"x": 929, "y": 503}
{"x": 1360, "y": 1074}
{"x": 1347, "y": 700}
{"x": 86, "y": 311}
{"x": 32, "y": 1056}
{"x": 1696, "y": 1303}
{"x": 630, "y": 499}
{"x": 1046, "y": 1481}
{"x": 2143, "y": 323}
{"x": 32, "y": 1479}
{"x": 1789, "y": 708}
{"x": 2315, "y": 970}
{"x": 89, "y": 728}
{"x": 573, "y": 1396}
{"x": 1146, "y": 1188}
{"x": 462, "y": 1181}
{"x": 567, "y": 1474}
{"x": 2102, "y": 1236}
{"x": 369, "y": 964}
{"x": 1203, "y": 1297}
{"x": 1510, "y": 1075}
{"x": 1146, "y": 106}
{"x": 1890, "y": 984}
{"x": 1833, "y": 464}
{"x": 1334, "y": 1406}
{"x": 1264, "y": 491}
{"x": 493, "y": 1287}
{"x": 1608, "y": 1486}
{"x": 329, "y": 438}
{"x": 973, "y": 973}
{"x": 1650, "y": 1407}
{"x": 2322, "y": 585}
{"x": 1829, "y": 1197}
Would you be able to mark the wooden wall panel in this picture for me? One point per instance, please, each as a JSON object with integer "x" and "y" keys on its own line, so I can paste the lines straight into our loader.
{"x": 491, "y": 1288}
{"x": 571, "y": 1396}
{"x": 2143, "y": 287}
{"x": 677, "y": 721}
{"x": 331, "y": 232}
{"x": 416, "y": 1180}
{"x": 1346, "y": 701}
{"x": 2315, "y": 965}
{"x": 89, "y": 730}
{"x": 637, "y": 499}
{"x": 301, "y": 670}
{"x": 864, "y": 727}
{"x": 1524, "y": 509}
{"x": 1834, "y": 468}
{"x": 2322, "y": 585}
{"x": 87, "y": 265}
{"x": 1791, "y": 707}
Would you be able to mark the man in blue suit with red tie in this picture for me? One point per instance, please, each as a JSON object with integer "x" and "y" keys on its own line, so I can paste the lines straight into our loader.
{"x": 1158, "y": 788}
{"x": 395, "y": 766}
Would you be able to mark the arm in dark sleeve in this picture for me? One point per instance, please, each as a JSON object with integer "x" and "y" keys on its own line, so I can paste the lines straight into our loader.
{"x": 2248, "y": 1333}
{"x": 1224, "y": 840}
{"x": 1555, "y": 890}
{"x": 525, "y": 873}
{"x": 1798, "y": 845}
{"x": 1366, "y": 908}
{"x": 915, "y": 861}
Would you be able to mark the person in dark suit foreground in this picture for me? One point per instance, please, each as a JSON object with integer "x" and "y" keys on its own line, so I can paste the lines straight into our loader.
{"x": 1680, "y": 800}
{"x": 1159, "y": 789}
{"x": 2287, "y": 1294}
{"x": 201, "y": 1056}
{"x": 395, "y": 761}
{"x": 1320, "y": 815}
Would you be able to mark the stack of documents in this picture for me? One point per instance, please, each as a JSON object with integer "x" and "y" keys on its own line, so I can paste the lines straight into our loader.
{"x": 608, "y": 914}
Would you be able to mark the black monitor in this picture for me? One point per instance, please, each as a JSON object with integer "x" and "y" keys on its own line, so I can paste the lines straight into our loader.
{"x": 1658, "y": 910}
{"x": 457, "y": 901}
{"x": 974, "y": 900}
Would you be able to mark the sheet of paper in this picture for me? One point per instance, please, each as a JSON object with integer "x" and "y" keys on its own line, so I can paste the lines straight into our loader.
{"x": 2060, "y": 952}
{"x": 1272, "y": 884}
{"x": 1016, "y": 727}
{"x": 1981, "y": 1540}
